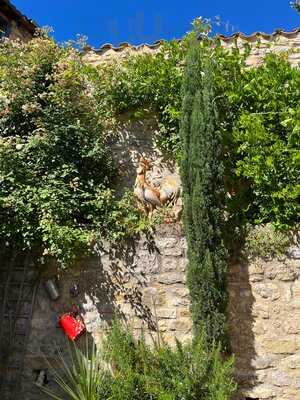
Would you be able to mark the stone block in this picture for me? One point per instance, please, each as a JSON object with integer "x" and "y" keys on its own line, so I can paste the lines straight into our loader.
{"x": 183, "y": 324}
{"x": 266, "y": 290}
{"x": 282, "y": 346}
{"x": 261, "y": 392}
{"x": 169, "y": 247}
{"x": 183, "y": 243}
{"x": 162, "y": 325}
{"x": 290, "y": 394}
{"x": 154, "y": 296}
{"x": 261, "y": 310}
{"x": 286, "y": 273}
{"x": 172, "y": 264}
{"x": 291, "y": 363}
{"x": 179, "y": 301}
{"x": 183, "y": 312}
{"x": 287, "y": 293}
{"x": 172, "y": 278}
{"x": 256, "y": 278}
{"x": 291, "y": 323}
{"x": 296, "y": 290}
{"x": 264, "y": 361}
{"x": 294, "y": 252}
{"x": 164, "y": 312}
{"x": 279, "y": 378}
{"x": 256, "y": 268}
{"x": 259, "y": 327}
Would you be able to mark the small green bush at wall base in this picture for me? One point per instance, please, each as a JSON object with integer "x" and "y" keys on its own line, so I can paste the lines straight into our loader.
{"x": 266, "y": 242}
{"x": 128, "y": 369}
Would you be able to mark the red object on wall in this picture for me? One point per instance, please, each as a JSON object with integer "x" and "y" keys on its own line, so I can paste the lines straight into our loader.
{"x": 72, "y": 326}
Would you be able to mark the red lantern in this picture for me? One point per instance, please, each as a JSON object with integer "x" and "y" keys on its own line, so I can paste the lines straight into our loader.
{"x": 73, "y": 326}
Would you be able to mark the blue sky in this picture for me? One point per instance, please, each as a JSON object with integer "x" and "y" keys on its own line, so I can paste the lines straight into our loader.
{"x": 134, "y": 21}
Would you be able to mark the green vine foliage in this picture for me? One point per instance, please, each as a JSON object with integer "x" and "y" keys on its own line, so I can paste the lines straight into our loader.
{"x": 56, "y": 170}
{"x": 266, "y": 139}
{"x": 144, "y": 82}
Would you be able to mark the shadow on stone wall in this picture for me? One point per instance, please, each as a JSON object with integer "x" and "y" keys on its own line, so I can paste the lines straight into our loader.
{"x": 241, "y": 323}
{"x": 115, "y": 286}
{"x": 134, "y": 137}
{"x": 141, "y": 281}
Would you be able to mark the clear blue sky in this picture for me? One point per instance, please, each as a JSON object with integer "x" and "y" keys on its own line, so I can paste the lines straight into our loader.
{"x": 134, "y": 21}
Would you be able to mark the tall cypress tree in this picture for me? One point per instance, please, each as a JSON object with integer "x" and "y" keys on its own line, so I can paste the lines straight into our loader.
{"x": 203, "y": 192}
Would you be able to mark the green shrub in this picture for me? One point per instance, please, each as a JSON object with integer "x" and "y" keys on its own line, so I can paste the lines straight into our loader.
{"x": 192, "y": 371}
{"x": 266, "y": 136}
{"x": 56, "y": 170}
{"x": 265, "y": 241}
{"x": 54, "y": 160}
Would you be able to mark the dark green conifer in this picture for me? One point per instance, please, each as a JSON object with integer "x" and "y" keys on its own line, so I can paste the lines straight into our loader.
{"x": 202, "y": 177}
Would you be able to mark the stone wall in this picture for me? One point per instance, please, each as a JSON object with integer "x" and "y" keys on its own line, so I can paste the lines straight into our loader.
{"x": 264, "y": 319}
{"x": 142, "y": 282}
{"x": 262, "y": 44}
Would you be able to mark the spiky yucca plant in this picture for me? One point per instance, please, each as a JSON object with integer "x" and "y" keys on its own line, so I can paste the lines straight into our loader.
{"x": 81, "y": 375}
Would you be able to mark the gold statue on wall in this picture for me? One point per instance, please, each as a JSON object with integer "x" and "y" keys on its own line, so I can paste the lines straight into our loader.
{"x": 151, "y": 197}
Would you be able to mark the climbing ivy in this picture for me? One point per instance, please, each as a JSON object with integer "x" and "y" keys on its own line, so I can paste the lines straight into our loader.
{"x": 265, "y": 141}
{"x": 147, "y": 82}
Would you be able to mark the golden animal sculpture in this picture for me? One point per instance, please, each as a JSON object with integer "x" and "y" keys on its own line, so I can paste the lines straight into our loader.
{"x": 151, "y": 197}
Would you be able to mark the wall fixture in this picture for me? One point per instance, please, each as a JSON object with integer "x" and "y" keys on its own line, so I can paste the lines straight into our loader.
{"x": 41, "y": 379}
{"x": 74, "y": 290}
{"x": 52, "y": 289}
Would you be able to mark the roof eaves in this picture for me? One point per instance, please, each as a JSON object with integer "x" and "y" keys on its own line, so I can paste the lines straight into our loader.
{"x": 236, "y": 35}
{"x": 10, "y": 8}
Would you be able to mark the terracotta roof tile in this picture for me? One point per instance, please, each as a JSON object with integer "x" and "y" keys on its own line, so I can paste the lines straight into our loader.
{"x": 223, "y": 38}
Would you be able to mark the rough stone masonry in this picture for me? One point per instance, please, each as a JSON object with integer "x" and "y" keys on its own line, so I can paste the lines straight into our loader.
{"x": 264, "y": 321}
{"x": 143, "y": 282}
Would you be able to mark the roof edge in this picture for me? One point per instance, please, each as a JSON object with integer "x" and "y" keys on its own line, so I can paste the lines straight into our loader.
{"x": 9, "y": 8}
{"x": 237, "y": 35}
